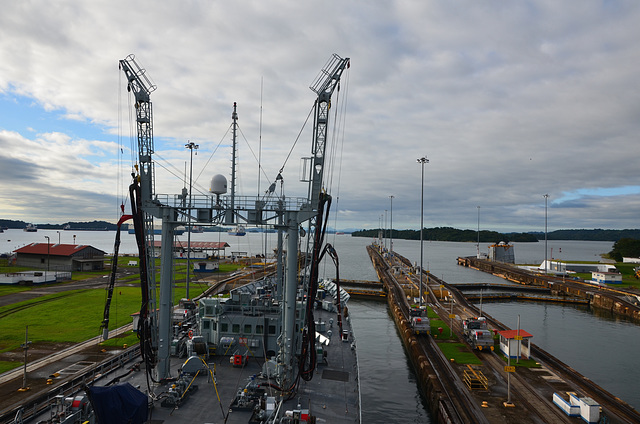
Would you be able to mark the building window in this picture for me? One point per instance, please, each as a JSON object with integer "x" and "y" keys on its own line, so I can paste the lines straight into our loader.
{"x": 224, "y": 327}
{"x": 205, "y": 324}
{"x": 272, "y": 329}
{"x": 247, "y": 329}
{"x": 235, "y": 328}
{"x": 214, "y": 326}
{"x": 259, "y": 329}
{"x": 208, "y": 310}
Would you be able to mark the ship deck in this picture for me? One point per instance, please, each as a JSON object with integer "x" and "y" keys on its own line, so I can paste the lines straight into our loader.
{"x": 332, "y": 395}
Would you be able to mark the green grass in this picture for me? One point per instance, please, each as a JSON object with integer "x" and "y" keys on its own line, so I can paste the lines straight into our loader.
{"x": 119, "y": 340}
{"x": 523, "y": 363}
{"x": 628, "y": 275}
{"x": 9, "y": 365}
{"x": 68, "y": 317}
{"x": 435, "y": 324}
{"x": 459, "y": 352}
{"x": 75, "y": 315}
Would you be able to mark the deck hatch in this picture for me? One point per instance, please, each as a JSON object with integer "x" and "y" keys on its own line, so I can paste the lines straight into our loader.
{"x": 335, "y": 375}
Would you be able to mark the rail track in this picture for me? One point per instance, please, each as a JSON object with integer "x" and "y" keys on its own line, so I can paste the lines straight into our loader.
{"x": 455, "y": 399}
{"x": 42, "y": 400}
{"x": 608, "y": 401}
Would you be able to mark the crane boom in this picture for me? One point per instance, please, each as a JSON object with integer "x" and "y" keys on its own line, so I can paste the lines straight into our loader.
{"x": 324, "y": 85}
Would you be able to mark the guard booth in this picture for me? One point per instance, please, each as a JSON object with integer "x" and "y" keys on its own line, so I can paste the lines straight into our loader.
{"x": 515, "y": 343}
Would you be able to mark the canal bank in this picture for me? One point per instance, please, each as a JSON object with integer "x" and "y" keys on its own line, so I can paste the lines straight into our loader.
{"x": 616, "y": 300}
{"x": 534, "y": 395}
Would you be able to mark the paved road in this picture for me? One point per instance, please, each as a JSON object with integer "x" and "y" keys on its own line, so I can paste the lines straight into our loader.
{"x": 36, "y": 291}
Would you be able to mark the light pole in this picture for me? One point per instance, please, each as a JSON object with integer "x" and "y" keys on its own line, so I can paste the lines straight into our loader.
{"x": 391, "y": 225}
{"x": 546, "y": 196}
{"x": 191, "y": 146}
{"x": 48, "y": 251}
{"x": 478, "y": 245}
{"x": 58, "y": 236}
{"x": 385, "y": 229}
{"x": 421, "y": 161}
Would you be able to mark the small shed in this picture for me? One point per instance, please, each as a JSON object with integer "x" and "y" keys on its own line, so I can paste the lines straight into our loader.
{"x": 515, "y": 343}
{"x": 601, "y": 278}
{"x": 68, "y": 257}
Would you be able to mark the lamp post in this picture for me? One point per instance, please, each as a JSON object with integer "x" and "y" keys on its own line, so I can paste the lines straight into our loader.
{"x": 48, "y": 251}
{"x": 385, "y": 229}
{"x": 478, "y": 245}
{"x": 391, "y": 225}
{"x": 58, "y": 236}
{"x": 421, "y": 161}
{"x": 191, "y": 146}
{"x": 546, "y": 196}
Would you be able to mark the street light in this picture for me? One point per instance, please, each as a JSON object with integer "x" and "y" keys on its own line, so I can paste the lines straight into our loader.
{"x": 478, "y": 245}
{"x": 421, "y": 161}
{"x": 191, "y": 146}
{"x": 58, "y": 236}
{"x": 391, "y": 225}
{"x": 546, "y": 196}
{"x": 48, "y": 251}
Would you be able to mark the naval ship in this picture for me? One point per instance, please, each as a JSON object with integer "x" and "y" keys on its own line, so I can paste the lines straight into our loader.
{"x": 277, "y": 350}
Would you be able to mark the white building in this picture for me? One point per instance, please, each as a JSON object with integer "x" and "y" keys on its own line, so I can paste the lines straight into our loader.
{"x": 602, "y": 278}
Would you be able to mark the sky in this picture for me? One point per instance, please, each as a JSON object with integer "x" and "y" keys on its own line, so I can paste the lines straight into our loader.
{"x": 509, "y": 101}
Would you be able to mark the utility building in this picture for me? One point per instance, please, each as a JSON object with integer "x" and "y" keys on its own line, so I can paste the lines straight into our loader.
{"x": 68, "y": 257}
{"x": 502, "y": 252}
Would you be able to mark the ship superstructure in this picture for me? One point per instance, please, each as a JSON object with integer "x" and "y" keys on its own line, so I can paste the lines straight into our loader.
{"x": 289, "y": 325}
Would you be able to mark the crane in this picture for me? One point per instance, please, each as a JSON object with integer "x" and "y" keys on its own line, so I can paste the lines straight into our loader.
{"x": 286, "y": 215}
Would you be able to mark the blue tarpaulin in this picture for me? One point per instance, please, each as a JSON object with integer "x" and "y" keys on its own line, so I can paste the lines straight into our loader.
{"x": 119, "y": 404}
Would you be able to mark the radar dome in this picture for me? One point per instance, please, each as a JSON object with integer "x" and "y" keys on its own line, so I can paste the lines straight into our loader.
{"x": 218, "y": 184}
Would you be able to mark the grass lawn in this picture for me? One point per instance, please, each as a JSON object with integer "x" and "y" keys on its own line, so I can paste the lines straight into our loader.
{"x": 459, "y": 352}
{"x": 75, "y": 315}
{"x": 68, "y": 317}
{"x": 523, "y": 363}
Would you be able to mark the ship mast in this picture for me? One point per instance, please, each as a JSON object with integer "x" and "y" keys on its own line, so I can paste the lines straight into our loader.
{"x": 285, "y": 214}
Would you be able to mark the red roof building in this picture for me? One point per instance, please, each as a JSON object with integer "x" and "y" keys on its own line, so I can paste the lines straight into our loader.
{"x": 61, "y": 257}
{"x": 515, "y": 343}
{"x": 198, "y": 248}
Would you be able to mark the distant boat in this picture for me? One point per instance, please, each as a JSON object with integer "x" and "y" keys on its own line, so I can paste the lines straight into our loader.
{"x": 30, "y": 228}
{"x": 197, "y": 229}
{"x": 238, "y": 231}
{"x": 67, "y": 227}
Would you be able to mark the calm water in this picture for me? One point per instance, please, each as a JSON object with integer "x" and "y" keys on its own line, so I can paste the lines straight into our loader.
{"x": 601, "y": 348}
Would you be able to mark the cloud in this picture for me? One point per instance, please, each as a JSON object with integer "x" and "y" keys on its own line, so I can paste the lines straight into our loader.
{"x": 508, "y": 101}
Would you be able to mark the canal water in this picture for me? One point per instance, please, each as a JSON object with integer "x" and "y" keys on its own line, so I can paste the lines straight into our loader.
{"x": 602, "y": 348}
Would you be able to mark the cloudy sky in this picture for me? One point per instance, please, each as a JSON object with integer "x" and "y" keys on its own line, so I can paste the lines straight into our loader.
{"x": 507, "y": 100}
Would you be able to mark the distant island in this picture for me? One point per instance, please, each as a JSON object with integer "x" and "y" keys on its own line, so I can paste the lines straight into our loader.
{"x": 454, "y": 234}
{"x": 73, "y": 226}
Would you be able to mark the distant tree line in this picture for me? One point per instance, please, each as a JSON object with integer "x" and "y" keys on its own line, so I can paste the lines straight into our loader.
{"x": 597, "y": 234}
{"x": 625, "y": 247}
{"x": 454, "y": 234}
{"x": 449, "y": 234}
{"x": 90, "y": 226}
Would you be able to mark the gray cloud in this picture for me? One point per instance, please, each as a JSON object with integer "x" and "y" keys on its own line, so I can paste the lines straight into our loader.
{"x": 508, "y": 101}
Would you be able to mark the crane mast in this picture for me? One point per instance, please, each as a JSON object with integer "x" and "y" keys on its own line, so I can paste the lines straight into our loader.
{"x": 285, "y": 214}
{"x": 292, "y": 341}
{"x": 324, "y": 85}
